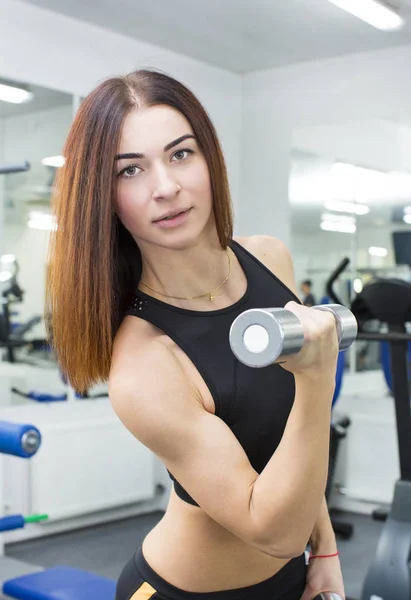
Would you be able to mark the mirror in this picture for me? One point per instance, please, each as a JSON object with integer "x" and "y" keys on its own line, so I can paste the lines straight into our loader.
{"x": 350, "y": 195}
{"x": 34, "y": 122}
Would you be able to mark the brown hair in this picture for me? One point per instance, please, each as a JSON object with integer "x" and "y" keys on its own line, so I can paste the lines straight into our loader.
{"x": 94, "y": 262}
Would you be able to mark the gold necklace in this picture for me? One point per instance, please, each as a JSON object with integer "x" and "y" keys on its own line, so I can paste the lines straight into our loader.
{"x": 209, "y": 294}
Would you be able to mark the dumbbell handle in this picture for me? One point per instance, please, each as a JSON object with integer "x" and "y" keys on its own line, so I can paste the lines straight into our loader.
{"x": 263, "y": 336}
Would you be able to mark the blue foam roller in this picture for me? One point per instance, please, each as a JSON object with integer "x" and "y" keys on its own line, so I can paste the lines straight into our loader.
{"x": 19, "y": 440}
{"x": 11, "y": 523}
{"x": 61, "y": 583}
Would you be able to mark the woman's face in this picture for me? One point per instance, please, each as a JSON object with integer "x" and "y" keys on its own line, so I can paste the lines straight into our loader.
{"x": 160, "y": 170}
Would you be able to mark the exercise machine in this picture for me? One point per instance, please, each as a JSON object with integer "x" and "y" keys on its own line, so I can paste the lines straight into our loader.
{"x": 50, "y": 584}
{"x": 389, "y": 301}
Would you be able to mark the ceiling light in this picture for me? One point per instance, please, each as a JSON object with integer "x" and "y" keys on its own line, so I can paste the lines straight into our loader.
{"x": 340, "y": 227}
{"x": 349, "y": 207}
{"x": 407, "y": 219}
{"x": 340, "y": 168}
{"x": 53, "y": 161}
{"x": 373, "y": 12}
{"x": 337, "y": 218}
{"x": 13, "y": 94}
{"x": 376, "y": 251}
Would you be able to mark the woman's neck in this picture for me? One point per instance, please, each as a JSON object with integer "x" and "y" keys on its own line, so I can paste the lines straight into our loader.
{"x": 178, "y": 276}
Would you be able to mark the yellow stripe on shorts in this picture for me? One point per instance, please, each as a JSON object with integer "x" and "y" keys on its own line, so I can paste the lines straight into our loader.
{"x": 144, "y": 592}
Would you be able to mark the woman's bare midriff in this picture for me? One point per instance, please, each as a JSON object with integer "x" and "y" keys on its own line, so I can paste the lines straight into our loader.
{"x": 194, "y": 553}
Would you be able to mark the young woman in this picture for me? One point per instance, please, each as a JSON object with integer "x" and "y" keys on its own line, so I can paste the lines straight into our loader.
{"x": 145, "y": 280}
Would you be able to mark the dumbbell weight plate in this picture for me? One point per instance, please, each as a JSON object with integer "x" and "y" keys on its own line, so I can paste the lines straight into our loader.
{"x": 346, "y": 324}
{"x": 257, "y": 336}
{"x": 263, "y": 336}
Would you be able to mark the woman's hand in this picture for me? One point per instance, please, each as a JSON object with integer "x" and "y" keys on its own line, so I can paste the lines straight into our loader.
{"x": 324, "y": 575}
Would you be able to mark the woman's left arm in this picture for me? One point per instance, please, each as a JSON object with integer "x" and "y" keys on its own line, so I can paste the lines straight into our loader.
{"x": 323, "y": 574}
{"x": 322, "y": 540}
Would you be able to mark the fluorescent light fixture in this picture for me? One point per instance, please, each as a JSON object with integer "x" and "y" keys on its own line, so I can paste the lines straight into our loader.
{"x": 337, "y": 218}
{"x": 340, "y": 227}
{"x": 8, "y": 258}
{"x": 348, "y": 207}
{"x": 13, "y": 94}
{"x": 43, "y": 221}
{"x": 407, "y": 219}
{"x": 377, "y": 251}
{"x": 367, "y": 184}
{"x": 35, "y": 214}
{"x": 373, "y": 12}
{"x": 340, "y": 223}
{"x": 340, "y": 168}
{"x": 53, "y": 161}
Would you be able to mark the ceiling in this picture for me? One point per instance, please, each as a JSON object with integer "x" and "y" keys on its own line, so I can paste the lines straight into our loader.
{"x": 239, "y": 35}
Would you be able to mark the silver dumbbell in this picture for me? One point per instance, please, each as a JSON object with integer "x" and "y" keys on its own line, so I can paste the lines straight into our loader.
{"x": 263, "y": 336}
{"x": 328, "y": 596}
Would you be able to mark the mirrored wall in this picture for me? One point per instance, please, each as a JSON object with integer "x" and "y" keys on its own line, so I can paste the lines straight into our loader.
{"x": 34, "y": 122}
{"x": 350, "y": 195}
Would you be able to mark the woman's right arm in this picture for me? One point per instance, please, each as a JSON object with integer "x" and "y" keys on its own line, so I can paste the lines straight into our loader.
{"x": 274, "y": 511}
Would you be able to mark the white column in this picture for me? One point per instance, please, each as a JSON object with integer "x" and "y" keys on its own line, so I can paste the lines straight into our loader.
{"x": 264, "y": 206}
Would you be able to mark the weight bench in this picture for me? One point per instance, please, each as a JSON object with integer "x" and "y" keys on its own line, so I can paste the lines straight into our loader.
{"x": 60, "y": 583}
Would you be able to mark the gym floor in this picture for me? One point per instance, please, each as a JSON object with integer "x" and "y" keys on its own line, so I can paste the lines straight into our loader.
{"x": 105, "y": 549}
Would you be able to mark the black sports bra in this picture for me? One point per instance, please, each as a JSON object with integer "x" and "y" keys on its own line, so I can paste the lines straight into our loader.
{"x": 254, "y": 403}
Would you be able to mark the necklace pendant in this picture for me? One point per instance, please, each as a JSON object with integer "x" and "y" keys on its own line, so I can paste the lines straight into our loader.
{"x": 211, "y": 297}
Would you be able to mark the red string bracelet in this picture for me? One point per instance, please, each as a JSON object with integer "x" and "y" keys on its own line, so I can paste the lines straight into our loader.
{"x": 323, "y": 555}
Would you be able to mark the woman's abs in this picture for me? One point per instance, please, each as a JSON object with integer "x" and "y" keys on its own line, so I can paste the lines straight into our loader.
{"x": 194, "y": 553}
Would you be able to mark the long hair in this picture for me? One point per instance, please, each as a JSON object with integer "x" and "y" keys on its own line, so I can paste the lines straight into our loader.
{"x": 94, "y": 263}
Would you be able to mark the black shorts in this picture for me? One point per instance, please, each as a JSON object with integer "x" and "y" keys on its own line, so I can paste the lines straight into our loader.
{"x": 138, "y": 581}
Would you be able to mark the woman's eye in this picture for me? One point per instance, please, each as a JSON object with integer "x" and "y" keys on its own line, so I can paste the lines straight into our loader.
{"x": 182, "y": 154}
{"x": 130, "y": 171}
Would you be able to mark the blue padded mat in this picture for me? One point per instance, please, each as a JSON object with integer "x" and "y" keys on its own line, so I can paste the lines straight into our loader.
{"x": 61, "y": 583}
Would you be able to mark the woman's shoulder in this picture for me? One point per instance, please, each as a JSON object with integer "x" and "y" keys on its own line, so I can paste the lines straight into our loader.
{"x": 274, "y": 255}
{"x": 135, "y": 335}
{"x": 263, "y": 245}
